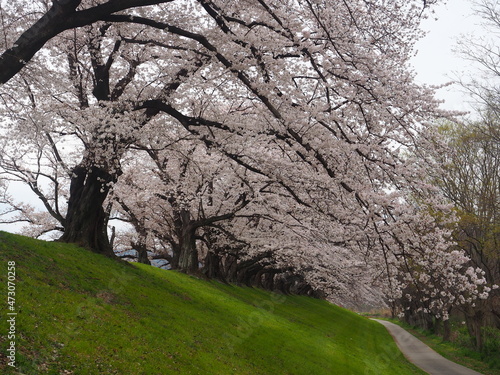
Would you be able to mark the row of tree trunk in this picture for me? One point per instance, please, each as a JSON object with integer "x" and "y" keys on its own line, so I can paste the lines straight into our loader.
{"x": 476, "y": 319}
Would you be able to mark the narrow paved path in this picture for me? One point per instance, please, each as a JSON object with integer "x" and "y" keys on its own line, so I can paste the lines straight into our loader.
{"x": 421, "y": 355}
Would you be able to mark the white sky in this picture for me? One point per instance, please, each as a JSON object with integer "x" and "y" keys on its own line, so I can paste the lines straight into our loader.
{"x": 435, "y": 62}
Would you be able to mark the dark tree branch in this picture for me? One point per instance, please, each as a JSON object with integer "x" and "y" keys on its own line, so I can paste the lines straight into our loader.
{"x": 60, "y": 17}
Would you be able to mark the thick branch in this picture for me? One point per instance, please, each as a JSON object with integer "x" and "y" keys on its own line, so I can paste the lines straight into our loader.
{"x": 60, "y": 17}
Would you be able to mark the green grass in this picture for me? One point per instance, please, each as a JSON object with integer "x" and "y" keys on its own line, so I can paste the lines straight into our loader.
{"x": 81, "y": 313}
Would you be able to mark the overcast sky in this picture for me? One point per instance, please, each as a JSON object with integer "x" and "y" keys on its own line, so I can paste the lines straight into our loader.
{"x": 436, "y": 63}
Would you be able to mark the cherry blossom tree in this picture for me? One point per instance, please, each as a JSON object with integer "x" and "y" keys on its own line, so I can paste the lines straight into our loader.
{"x": 175, "y": 198}
{"x": 469, "y": 179}
{"x": 470, "y": 170}
{"x": 93, "y": 116}
{"x": 311, "y": 107}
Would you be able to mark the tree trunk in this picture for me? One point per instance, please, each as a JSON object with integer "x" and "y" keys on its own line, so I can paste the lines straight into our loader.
{"x": 86, "y": 221}
{"x": 268, "y": 280}
{"x": 425, "y": 321}
{"x": 213, "y": 267}
{"x": 142, "y": 254}
{"x": 174, "y": 260}
{"x": 478, "y": 323}
{"x": 446, "y": 330}
{"x": 474, "y": 322}
{"x": 231, "y": 268}
{"x": 188, "y": 256}
{"x": 141, "y": 246}
{"x": 438, "y": 327}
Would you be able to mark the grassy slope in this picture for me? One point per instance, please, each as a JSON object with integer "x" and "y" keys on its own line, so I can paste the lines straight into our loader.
{"x": 81, "y": 313}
